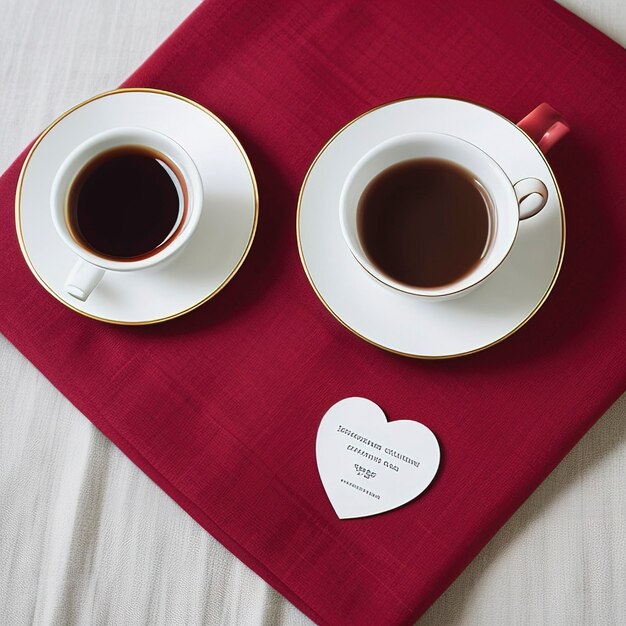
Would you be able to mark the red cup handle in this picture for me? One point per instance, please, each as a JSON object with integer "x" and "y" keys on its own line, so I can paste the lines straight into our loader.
{"x": 545, "y": 126}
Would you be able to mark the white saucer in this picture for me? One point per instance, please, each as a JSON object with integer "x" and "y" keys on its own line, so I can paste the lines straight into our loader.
{"x": 399, "y": 322}
{"x": 217, "y": 247}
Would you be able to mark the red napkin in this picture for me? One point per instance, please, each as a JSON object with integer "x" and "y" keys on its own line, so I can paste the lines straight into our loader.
{"x": 221, "y": 407}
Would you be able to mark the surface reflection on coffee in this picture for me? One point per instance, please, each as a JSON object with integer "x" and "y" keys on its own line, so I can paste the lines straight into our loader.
{"x": 127, "y": 203}
{"x": 424, "y": 222}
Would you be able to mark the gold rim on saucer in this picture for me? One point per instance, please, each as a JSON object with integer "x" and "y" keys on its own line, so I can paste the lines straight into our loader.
{"x": 408, "y": 354}
{"x": 18, "y": 196}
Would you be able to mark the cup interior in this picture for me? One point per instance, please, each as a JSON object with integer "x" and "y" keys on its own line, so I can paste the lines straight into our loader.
{"x": 172, "y": 158}
{"x": 488, "y": 177}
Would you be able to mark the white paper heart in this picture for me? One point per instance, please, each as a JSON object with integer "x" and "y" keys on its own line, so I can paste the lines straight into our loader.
{"x": 369, "y": 465}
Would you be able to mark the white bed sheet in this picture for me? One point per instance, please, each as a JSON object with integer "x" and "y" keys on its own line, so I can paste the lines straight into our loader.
{"x": 86, "y": 538}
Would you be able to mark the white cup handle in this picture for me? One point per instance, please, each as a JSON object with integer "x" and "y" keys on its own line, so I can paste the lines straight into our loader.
{"x": 532, "y": 196}
{"x": 83, "y": 279}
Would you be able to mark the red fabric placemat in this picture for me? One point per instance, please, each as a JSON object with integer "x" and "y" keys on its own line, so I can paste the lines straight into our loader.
{"x": 221, "y": 407}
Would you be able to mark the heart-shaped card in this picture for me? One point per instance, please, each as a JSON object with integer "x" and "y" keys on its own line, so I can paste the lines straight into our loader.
{"x": 369, "y": 465}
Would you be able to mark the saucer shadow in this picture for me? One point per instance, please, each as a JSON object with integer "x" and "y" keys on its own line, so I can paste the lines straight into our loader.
{"x": 262, "y": 266}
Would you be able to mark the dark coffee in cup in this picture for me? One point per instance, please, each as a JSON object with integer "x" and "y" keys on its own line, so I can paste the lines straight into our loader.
{"x": 424, "y": 222}
{"x": 127, "y": 203}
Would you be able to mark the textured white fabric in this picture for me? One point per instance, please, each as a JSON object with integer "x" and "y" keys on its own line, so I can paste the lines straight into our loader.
{"x": 86, "y": 538}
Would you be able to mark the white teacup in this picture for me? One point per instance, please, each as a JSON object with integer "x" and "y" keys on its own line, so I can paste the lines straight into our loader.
{"x": 91, "y": 266}
{"x": 507, "y": 203}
